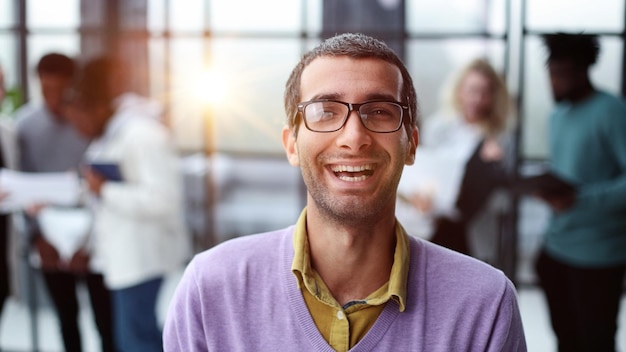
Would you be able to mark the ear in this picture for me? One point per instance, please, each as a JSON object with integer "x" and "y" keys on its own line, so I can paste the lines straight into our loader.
{"x": 412, "y": 147}
{"x": 289, "y": 143}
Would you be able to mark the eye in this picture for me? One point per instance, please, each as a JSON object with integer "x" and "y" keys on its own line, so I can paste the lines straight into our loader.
{"x": 379, "y": 110}
{"x": 324, "y": 111}
{"x": 327, "y": 114}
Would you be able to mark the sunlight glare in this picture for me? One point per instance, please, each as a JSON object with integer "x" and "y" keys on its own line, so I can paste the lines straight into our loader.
{"x": 211, "y": 87}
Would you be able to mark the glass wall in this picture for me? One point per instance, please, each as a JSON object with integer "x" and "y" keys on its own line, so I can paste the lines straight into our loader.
{"x": 444, "y": 36}
{"x": 585, "y": 16}
{"x": 220, "y": 66}
{"x": 53, "y": 27}
{"x": 8, "y": 59}
{"x": 222, "y": 69}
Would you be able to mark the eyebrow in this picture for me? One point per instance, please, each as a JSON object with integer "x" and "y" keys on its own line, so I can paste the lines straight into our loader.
{"x": 369, "y": 97}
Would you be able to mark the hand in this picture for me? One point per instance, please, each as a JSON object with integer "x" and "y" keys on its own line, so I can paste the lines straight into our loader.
{"x": 79, "y": 263}
{"x": 491, "y": 150}
{"x": 34, "y": 209}
{"x": 423, "y": 202}
{"x": 94, "y": 180}
{"x": 558, "y": 202}
{"x": 50, "y": 260}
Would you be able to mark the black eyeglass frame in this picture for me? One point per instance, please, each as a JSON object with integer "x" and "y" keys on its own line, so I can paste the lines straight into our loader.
{"x": 353, "y": 107}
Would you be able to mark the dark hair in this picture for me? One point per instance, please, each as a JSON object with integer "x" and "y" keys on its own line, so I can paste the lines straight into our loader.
{"x": 353, "y": 45}
{"x": 92, "y": 86}
{"x": 582, "y": 49}
{"x": 57, "y": 64}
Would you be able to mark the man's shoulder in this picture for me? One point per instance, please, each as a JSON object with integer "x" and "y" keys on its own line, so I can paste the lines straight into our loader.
{"x": 462, "y": 299}
{"x": 612, "y": 102}
{"x": 28, "y": 110}
{"x": 609, "y": 111}
{"x": 247, "y": 249}
{"x": 28, "y": 114}
{"x": 442, "y": 267}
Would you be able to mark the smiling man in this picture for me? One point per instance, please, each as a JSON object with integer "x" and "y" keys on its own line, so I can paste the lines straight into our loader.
{"x": 346, "y": 276}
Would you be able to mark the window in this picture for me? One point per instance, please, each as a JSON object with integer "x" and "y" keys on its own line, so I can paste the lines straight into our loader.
{"x": 223, "y": 70}
{"x": 220, "y": 66}
{"x": 8, "y": 61}
{"x": 604, "y": 17}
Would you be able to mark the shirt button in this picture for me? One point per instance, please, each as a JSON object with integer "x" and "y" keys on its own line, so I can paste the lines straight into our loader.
{"x": 340, "y": 315}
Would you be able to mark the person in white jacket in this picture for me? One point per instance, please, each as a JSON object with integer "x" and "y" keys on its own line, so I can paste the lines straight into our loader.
{"x": 463, "y": 165}
{"x": 139, "y": 231}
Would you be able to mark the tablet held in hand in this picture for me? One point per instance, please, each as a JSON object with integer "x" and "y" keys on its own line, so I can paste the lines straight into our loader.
{"x": 110, "y": 171}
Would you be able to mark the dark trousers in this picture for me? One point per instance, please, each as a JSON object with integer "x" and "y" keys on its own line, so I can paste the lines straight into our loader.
{"x": 62, "y": 291}
{"x": 583, "y": 303}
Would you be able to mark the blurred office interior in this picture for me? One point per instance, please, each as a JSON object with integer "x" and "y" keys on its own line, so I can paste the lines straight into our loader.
{"x": 219, "y": 68}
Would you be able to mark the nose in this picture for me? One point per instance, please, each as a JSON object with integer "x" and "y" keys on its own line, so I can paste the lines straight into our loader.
{"x": 354, "y": 135}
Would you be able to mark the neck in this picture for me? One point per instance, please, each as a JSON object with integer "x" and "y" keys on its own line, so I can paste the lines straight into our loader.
{"x": 352, "y": 261}
{"x": 585, "y": 92}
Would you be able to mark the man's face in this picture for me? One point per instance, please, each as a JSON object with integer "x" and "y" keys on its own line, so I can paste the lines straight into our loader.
{"x": 53, "y": 88}
{"x": 476, "y": 96}
{"x": 89, "y": 121}
{"x": 566, "y": 79}
{"x": 352, "y": 173}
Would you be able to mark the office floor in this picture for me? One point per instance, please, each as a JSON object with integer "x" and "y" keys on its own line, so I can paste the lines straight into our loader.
{"x": 16, "y": 335}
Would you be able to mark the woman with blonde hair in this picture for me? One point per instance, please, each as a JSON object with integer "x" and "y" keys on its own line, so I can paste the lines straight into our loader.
{"x": 470, "y": 132}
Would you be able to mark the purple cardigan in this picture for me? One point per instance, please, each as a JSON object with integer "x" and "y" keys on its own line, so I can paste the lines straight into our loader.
{"x": 242, "y": 296}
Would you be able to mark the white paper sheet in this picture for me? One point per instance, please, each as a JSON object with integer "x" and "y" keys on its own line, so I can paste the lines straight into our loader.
{"x": 437, "y": 175}
{"x": 65, "y": 228}
{"x": 25, "y": 189}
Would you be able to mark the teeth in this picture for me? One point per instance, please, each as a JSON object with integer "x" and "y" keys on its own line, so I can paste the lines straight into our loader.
{"x": 352, "y": 168}
{"x": 352, "y": 179}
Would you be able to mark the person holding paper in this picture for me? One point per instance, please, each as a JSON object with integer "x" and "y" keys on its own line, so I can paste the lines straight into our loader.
{"x": 49, "y": 143}
{"x": 462, "y": 158}
{"x": 139, "y": 226}
{"x": 582, "y": 262}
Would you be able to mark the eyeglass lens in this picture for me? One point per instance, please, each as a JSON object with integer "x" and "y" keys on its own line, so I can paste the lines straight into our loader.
{"x": 327, "y": 116}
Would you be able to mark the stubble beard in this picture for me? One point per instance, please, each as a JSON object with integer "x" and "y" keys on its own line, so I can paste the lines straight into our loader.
{"x": 357, "y": 210}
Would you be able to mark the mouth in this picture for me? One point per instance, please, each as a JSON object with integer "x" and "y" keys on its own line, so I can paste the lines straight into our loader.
{"x": 353, "y": 173}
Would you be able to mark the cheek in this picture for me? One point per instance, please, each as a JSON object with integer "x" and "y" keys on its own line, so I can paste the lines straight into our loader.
{"x": 303, "y": 150}
{"x": 486, "y": 102}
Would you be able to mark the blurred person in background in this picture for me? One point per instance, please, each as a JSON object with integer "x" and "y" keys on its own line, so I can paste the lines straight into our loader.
{"x": 470, "y": 134}
{"x": 7, "y": 160}
{"x": 139, "y": 229}
{"x": 582, "y": 262}
{"x": 49, "y": 143}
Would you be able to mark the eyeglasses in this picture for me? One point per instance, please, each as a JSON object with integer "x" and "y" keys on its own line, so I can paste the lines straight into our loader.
{"x": 331, "y": 115}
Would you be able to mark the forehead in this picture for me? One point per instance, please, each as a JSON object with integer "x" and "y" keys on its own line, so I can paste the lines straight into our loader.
{"x": 53, "y": 78}
{"x": 476, "y": 78}
{"x": 352, "y": 79}
{"x": 562, "y": 65}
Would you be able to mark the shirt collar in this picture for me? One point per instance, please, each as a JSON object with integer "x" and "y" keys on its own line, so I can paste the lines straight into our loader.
{"x": 305, "y": 274}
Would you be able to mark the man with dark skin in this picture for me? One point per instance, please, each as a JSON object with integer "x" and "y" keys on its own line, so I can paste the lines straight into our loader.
{"x": 582, "y": 263}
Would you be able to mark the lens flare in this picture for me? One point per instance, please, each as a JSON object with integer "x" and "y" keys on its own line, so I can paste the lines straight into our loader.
{"x": 211, "y": 87}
